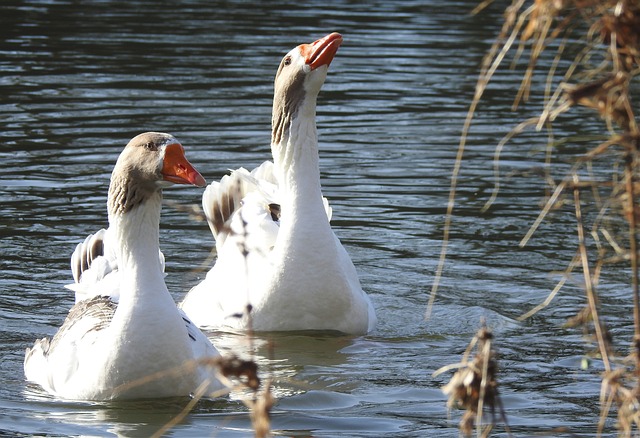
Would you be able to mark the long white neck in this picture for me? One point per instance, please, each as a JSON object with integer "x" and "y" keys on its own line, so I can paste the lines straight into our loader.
{"x": 136, "y": 235}
{"x": 146, "y": 320}
{"x": 297, "y": 163}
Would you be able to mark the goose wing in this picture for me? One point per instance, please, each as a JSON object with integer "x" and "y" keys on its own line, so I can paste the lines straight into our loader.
{"x": 94, "y": 266}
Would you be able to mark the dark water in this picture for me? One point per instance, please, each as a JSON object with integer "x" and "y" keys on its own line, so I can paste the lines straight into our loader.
{"x": 79, "y": 79}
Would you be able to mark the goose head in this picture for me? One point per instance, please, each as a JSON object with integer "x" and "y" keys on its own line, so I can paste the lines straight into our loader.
{"x": 300, "y": 76}
{"x": 149, "y": 162}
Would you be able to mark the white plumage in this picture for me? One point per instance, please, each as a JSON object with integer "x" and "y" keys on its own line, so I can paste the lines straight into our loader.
{"x": 125, "y": 338}
{"x": 276, "y": 250}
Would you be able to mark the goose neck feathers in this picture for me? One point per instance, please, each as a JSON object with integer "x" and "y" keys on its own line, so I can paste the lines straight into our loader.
{"x": 300, "y": 76}
{"x": 294, "y": 139}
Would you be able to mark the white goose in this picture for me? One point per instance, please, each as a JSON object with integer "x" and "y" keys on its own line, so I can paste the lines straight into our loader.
{"x": 125, "y": 326}
{"x": 276, "y": 250}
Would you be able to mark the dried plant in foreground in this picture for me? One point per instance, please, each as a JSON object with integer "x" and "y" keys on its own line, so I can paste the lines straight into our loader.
{"x": 261, "y": 411}
{"x": 615, "y": 390}
{"x": 593, "y": 65}
{"x": 473, "y": 387}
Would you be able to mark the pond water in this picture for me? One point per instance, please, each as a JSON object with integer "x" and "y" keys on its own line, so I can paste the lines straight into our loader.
{"x": 79, "y": 79}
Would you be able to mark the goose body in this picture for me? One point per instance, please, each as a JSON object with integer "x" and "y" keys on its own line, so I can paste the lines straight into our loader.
{"x": 125, "y": 338}
{"x": 276, "y": 251}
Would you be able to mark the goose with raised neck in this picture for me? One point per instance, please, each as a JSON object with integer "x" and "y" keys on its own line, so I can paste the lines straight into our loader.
{"x": 279, "y": 265}
{"x": 125, "y": 338}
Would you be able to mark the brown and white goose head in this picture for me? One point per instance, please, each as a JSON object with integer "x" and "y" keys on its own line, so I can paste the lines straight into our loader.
{"x": 301, "y": 74}
{"x": 149, "y": 162}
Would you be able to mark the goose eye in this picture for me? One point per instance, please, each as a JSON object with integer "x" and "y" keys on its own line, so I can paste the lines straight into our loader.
{"x": 151, "y": 146}
{"x": 287, "y": 60}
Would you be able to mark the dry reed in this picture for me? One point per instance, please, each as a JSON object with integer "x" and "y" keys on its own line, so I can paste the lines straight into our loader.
{"x": 599, "y": 40}
{"x": 474, "y": 386}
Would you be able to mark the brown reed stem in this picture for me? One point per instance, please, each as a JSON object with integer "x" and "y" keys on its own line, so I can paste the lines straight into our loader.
{"x": 633, "y": 254}
{"x": 591, "y": 297}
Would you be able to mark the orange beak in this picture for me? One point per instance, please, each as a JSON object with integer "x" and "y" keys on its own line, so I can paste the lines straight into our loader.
{"x": 177, "y": 169}
{"x": 321, "y": 52}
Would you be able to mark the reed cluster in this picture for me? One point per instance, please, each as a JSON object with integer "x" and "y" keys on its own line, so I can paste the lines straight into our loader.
{"x": 591, "y": 50}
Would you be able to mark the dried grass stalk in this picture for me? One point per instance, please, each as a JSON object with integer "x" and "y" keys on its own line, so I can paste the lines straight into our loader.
{"x": 474, "y": 387}
{"x": 605, "y": 45}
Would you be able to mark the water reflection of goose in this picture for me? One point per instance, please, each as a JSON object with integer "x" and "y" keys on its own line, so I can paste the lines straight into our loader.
{"x": 294, "y": 362}
{"x": 110, "y": 341}
{"x": 276, "y": 249}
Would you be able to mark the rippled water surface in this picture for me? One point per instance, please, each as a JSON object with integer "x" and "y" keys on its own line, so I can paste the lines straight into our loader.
{"x": 79, "y": 79}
